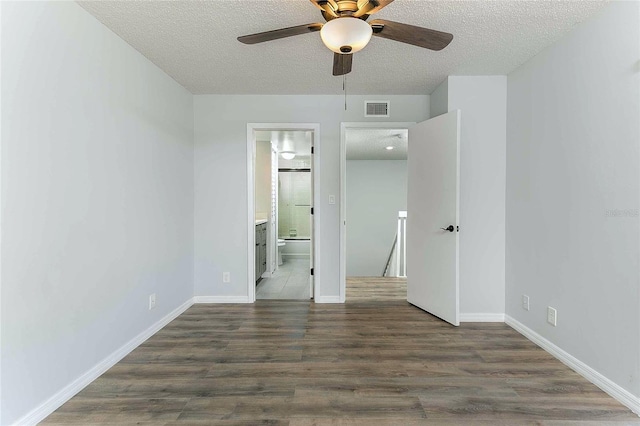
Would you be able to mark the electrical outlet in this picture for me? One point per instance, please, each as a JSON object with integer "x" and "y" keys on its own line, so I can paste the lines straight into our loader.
{"x": 552, "y": 316}
{"x": 226, "y": 277}
{"x": 152, "y": 301}
{"x": 525, "y": 302}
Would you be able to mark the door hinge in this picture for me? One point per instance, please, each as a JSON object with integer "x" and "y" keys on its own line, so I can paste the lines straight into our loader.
{"x": 311, "y": 271}
{"x": 311, "y": 210}
{"x": 312, "y": 150}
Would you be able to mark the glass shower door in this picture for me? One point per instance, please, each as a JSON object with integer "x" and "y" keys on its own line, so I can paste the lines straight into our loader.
{"x": 294, "y": 204}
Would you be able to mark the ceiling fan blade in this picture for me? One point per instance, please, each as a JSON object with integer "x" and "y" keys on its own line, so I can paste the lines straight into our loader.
{"x": 329, "y": 6}
{"x": 342, "y": 63}
{"x": 405, "y": 33}
{"x": 369, "y": 7}
{"x": 281, "y": 33}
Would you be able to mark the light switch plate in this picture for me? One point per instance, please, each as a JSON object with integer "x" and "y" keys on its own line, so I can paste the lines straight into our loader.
{"x": 552, "y": 316}
{"x": 332, "y": 199}
{"x": 525, "y": 302}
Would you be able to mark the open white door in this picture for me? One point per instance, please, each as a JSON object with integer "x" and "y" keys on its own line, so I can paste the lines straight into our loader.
{"x": 433, "y": 196}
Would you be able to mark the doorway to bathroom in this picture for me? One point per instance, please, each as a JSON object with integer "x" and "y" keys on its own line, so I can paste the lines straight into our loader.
{"x": 282, "y": 189}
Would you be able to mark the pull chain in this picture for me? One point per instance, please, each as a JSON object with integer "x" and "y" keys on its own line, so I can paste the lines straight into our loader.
{"x": 344, "y": 88}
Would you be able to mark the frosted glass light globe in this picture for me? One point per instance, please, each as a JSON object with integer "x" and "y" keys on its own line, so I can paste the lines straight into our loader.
{"x": 346, "y": 34}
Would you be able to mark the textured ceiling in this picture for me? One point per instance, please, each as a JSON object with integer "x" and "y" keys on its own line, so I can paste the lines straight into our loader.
{"x": 370, "y": 144}
{"x": 195, "y": 43}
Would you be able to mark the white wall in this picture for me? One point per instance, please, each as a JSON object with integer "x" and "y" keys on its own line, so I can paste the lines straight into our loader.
{"x": 439, "y": 99}
{"x": 296, "y": 249}
{"x": 572, "y": 158}
{"x": 263, "y": 179}
{"x": 97, "y": 201}
{"x": 483, "y": 102}
{"x": 376, "y": 191}
{"x": 220, "y": 156}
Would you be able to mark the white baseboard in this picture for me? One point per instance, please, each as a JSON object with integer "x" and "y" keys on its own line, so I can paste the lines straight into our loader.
{"x": 52, "y": 404}
{"x": 616, "y": 391}
{"x": 221, "y": 299}
{"x": 481, "y": 317}
{"x": 327, "y": 299}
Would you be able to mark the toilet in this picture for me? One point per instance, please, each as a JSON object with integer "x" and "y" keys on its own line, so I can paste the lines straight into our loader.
{"x": 281, "y": 243}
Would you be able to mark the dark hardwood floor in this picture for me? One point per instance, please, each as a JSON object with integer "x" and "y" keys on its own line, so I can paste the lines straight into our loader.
{"x": 367, "y": 362}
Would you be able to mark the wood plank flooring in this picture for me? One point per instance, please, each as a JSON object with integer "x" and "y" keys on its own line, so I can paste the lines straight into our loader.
{"x": 366, "y": 362}
{"x": 364, "y": 289}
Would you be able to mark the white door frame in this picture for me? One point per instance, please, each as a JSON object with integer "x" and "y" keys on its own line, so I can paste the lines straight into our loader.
{"x": 343, "y": 188}
{"x": 251, "y": 222}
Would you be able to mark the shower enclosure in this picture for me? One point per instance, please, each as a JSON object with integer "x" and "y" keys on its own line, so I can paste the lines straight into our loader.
{"x": 294, "y": 204}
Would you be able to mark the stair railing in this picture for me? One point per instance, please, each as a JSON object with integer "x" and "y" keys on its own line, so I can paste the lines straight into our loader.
{"x": 398, "y": 254}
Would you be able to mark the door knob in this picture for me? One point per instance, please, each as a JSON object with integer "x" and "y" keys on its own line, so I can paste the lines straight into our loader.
{"x": 449, "y": 228}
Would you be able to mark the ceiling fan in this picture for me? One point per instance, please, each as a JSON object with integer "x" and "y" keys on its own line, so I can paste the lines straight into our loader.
{"x": 346, "y": 30}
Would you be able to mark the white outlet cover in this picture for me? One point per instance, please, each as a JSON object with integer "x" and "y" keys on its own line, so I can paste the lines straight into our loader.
{"x": 226, "y": 277}
{"x": 152, "y": 301}
{"x": 525, "y": 302}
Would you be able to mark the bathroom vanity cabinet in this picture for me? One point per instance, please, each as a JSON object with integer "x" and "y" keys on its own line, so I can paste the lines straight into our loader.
{"x": 261, "y": 249}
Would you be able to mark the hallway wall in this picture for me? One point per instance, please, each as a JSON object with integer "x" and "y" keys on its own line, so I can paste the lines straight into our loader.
{"x": 376, "y": 191}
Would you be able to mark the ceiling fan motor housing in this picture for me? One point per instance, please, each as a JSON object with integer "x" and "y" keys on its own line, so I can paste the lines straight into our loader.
{"x": 339, "y": 7}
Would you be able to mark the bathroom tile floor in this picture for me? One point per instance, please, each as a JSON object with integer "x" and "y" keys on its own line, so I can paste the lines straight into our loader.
{"x": 290, "y": 281}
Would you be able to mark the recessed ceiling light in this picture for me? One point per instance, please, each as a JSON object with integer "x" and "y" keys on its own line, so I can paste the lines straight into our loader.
{"x": 389, "y": 148}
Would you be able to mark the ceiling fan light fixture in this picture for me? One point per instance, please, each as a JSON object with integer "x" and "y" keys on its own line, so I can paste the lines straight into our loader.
{"x": 288, "y": 155}
{"x": 346, "y": 34}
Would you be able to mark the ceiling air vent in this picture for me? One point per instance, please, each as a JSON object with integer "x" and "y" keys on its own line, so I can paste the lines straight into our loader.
{"x": 376, "y": 108}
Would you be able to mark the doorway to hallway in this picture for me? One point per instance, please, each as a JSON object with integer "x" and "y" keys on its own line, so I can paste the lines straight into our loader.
{"x": 428, "y": 243}
{"x": 374, "y": 204}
